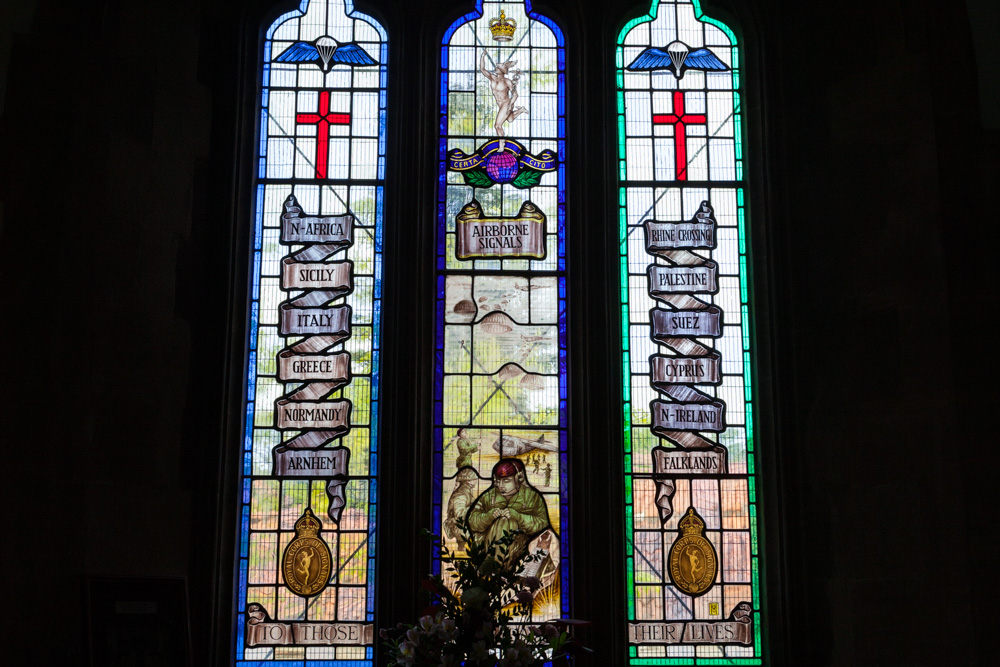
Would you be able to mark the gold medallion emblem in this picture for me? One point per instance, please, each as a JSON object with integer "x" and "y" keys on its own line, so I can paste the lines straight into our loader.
{"x": 692, "y": 560}
{"x": 307, "y": 561}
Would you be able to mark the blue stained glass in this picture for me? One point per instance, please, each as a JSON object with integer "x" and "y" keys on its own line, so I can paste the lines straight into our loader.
{"x": 258, "y": 219}
{"x": 473, "y": 304}
{"x": 243, "y": 583}
{"x": 252, "y": 362}
{"x": 254, "y": 308}
{"x": 263, "y": 139}
{"x": 239, "y": 636}
{"x": 256, "y": 272}
{"x": 245, "y": 532}
{"x": 278, "y": 156}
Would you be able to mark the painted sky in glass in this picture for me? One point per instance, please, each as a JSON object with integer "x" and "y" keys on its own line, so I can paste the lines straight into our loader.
{"x": 500, "y": 394}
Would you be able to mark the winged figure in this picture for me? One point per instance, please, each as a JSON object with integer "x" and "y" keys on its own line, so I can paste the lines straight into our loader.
{"x": 325, "y": 52}
{"x": 677, "y": 58}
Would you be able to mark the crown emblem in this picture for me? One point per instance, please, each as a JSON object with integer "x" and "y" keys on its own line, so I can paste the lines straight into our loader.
{"x": 691, "y": 524}
{"x": 502, "y": 28}
{"x": 307, "y": 525}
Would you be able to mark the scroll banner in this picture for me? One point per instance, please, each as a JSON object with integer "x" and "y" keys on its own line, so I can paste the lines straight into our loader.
{"x": 667, "y": 324}
{"x": 670, "y": 463}
{"x": 679, "y": 328}
{"x": 262, "y": 631}
{"x": 332, "y": 416}
{"x": 332, "y": 276}
{"x": 664, "y": 280}
{"x": 334, "y": 368}
{"x": 460, "y": 161}
{"x": 479, "y": 236}
{"x": 698, "y": 233}
{"x": 331, "y": 321}
{"x": 323, "y": 326}
{"x": 329, "y": 464}
{"x": 665, "y": 371}
{"x": 737, "y": 630}
{"x": 298, "y": 229}
{"x": 708, "y": 416}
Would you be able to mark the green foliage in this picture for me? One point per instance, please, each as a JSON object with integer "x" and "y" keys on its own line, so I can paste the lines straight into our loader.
{"x": 527, "y": 178}
{"x": 482, "y": 624}
{"x": 477, "y": 178}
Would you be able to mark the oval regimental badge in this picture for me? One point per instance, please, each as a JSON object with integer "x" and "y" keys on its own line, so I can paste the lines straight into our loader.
{"x": 692, "y": 560}
{"x": 307, "y": 561}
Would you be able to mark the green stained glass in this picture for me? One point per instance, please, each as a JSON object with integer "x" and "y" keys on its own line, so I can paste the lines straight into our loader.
{"x": 680, "y": 126}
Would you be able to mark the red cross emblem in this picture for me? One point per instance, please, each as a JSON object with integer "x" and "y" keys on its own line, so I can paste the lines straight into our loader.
{"x": 323, "y": 120}
{"x": 680, "y": 121}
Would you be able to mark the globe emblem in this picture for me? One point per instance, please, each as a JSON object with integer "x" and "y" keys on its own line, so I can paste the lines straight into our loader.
{"x": 501, "y": 167}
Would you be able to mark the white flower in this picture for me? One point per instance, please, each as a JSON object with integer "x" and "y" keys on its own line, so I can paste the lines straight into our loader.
{"x": 447, "y": 630}
{"x": 479, "y": 651}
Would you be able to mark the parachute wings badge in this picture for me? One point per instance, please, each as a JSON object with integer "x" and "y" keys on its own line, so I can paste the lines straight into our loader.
{"x": 326, "y": 52}
{"x": 676, "y": 58}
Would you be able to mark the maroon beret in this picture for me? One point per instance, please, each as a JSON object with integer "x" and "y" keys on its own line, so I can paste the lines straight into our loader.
{"x": 506, "y": 468}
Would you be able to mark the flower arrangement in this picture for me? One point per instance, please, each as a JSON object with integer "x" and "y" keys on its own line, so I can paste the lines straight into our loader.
{"x": 486, "y": 621}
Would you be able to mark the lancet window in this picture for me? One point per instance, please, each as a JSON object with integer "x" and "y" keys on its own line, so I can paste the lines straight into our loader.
{"x": 692, "y": 549}
{"x": 500, "y": 411}
{"x": 305, "y": 589}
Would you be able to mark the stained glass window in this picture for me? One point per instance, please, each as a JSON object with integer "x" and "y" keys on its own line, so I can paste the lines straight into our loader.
{"x": 500, "y": 396}
{"x": 693, "y": 585}
{"x": 306, "y": 552}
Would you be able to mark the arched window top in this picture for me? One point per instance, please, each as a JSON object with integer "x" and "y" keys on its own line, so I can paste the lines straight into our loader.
{"x": 681, "y": 20}
{"x": 337, "y": 19}
{"x": 555, "y": 32}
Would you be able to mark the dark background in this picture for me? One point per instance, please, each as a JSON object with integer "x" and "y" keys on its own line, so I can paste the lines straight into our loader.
{"x": 874, "y": 130}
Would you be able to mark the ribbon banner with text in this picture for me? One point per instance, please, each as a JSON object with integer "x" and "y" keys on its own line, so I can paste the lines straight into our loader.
{"x": 307, "y": 409}
{"x": 737, "y": 630}
{"x": 262, "y": 631}
{"x": 689, "y": 412}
